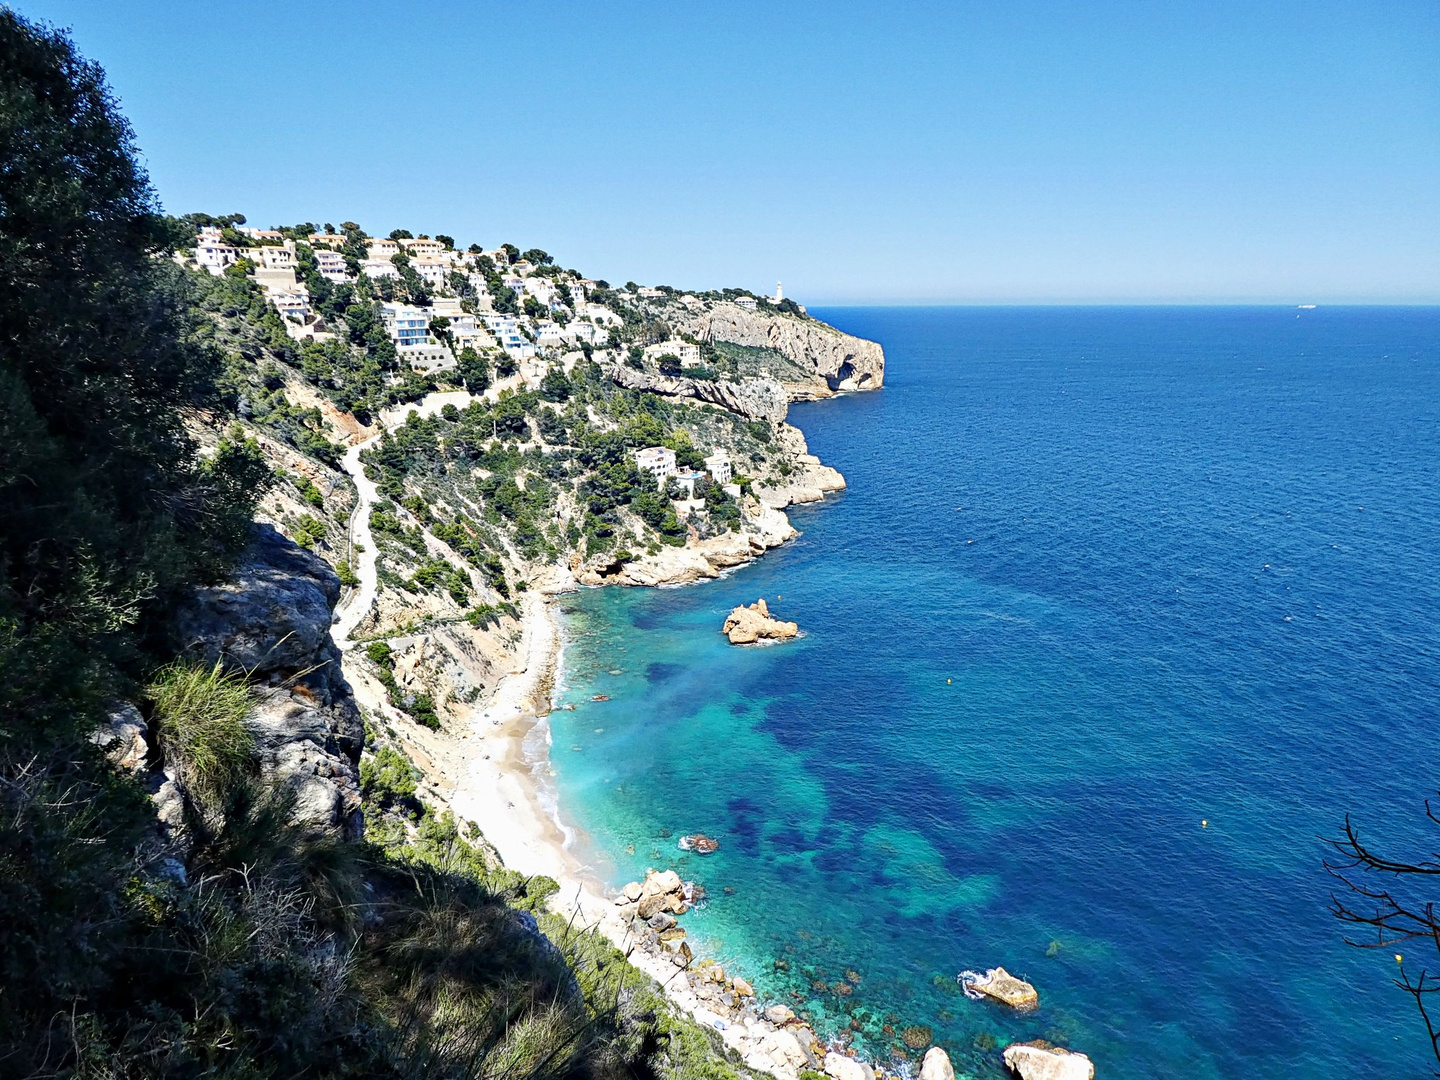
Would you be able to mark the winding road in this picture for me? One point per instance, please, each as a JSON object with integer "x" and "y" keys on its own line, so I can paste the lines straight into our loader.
{"x": 349, "y": 614}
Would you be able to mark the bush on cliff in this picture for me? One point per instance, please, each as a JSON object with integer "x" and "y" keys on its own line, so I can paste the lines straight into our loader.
{"x": 199, "y": 721}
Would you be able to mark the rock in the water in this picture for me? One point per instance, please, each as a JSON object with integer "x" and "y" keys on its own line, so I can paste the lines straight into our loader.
{"x": 747, "y": 625}
{"x": 743, "y": 987}
{"x": 272, "y": 621}
{"x": 1039, "y": 1060}
{"x": 657, "y": 883}
{"x": 779, "y": 1014}
{"x": 1004, "y": 987}
{"x": 840, "y": 1067}
{"x": 936, "y": 1065}
{"x": 632, "y": 891}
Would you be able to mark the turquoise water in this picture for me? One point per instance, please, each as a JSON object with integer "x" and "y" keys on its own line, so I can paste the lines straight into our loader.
{"x": 1100, "y": 574}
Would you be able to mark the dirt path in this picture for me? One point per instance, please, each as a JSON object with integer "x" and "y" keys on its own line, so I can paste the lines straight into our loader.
{"x": 348, "y": 616}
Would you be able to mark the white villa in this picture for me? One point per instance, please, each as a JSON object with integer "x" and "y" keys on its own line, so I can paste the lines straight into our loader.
{"x": 658, "y": 461}
{"x": 746, "y": 302}
{"x": 718, "y": 465}
{"x": 687, "y": 354}
{"x": 434, "y": 271}
{"x": 378, "y": 268}
{"x": 407, "y": 325}
{"x": 331, "y": 265}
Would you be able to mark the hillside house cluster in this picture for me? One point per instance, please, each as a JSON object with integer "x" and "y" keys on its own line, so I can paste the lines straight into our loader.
{"x": 461, "y": 313}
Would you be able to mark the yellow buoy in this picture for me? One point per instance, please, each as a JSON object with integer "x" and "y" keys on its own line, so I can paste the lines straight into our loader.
{"x": 1399, "y": 959}
{"x": 1204, "y": 824}
{"x": 947, "y": 682}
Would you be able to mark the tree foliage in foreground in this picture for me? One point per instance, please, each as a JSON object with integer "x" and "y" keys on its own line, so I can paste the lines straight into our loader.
{"x": 1387, "y": 904}
{"x": 268, "y": 952}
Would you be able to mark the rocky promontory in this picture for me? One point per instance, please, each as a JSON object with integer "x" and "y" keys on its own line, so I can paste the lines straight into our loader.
{"x": 747, "y": 625}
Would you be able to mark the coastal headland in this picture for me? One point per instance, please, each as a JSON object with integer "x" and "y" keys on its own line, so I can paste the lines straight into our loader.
{"x": 597, "y": 437}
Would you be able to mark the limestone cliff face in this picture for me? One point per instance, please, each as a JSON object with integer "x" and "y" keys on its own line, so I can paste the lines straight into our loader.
{"x": 273, "y": 621}
{"x": 754, "y": 399}
{"x": 845, "y": 362}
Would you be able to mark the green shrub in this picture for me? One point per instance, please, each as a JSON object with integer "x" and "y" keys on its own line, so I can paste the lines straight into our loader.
{"x": 388, "y": 778}
{"x": 199, "y": 714}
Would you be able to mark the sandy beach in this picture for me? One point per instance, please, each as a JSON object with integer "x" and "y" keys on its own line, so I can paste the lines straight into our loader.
{"x": 506, "y": 794}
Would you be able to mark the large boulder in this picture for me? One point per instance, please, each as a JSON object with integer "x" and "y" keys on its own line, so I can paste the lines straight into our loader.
{"x": 272, "y": 622}
{"x": 840, "y": 1067}
{"x": 784, "y": 1049}
{"x": 936, "y": 1065}
{"x": 1039, "y": 1060}
{"x": 747, "y": 625}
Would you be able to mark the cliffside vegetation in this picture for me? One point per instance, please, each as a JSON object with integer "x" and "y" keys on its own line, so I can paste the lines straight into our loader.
{"x": 251, "y": 947}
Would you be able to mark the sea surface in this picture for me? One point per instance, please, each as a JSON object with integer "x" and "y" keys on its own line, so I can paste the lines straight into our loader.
{"x": 1124, "y": 610}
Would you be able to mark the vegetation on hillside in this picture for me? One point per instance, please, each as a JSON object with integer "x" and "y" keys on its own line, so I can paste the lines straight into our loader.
{"x": 254, "y": 950}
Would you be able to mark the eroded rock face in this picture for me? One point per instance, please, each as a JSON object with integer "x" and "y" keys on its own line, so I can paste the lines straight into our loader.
{"x": 747, "y": 625}
{"x": 272, "y": 621}
{"x": 754, "y": 399}
{"x": 843, "y": 361}
{"x": 1040, "y": 1061}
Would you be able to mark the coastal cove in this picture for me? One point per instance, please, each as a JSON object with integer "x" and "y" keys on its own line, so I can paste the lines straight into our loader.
{"x": 1099, "y": 574}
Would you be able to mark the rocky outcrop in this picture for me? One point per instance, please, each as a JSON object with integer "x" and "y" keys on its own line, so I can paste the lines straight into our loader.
{"x": 754, "y": 399}
{"x": 748, "y": 625}
{"x": 999, "y": 984}
{"x": 845, "y": 362}
{"x": 699, "y": 560}
{"x": 840, "y": 1067}
{"x": 272, "y": 621}
{"x": 1039, "y": 1060}
{"x": 936, "y": 1065}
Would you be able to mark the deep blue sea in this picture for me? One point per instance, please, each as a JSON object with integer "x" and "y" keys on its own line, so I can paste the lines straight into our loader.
{"x": 1100, "y": 574}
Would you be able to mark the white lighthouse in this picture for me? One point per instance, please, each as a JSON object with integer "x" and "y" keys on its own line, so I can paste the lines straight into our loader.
{"x": 779, "y": 293}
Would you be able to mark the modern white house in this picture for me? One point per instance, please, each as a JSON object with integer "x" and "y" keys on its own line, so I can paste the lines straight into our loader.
{"x": 213, "y": 254}
{"x": 718, "y": 465}
{"x": 382, "y": 249}
{"x": 658, "y": 461}
{"x": 588, "y": 333}
{"x": 407, "y": 325}
{"x": 686, "y": 353}
{"x": 331, "y": 265}
{"x": 294, "y": 306}
{"x": 548, "y": 333}
{"x": 423, "y": 249}
{"x": 273, "y": 258}
{"x": 378, "y": 268}
{"x": 434, "y": 271}
{"x": 746, "y": 302}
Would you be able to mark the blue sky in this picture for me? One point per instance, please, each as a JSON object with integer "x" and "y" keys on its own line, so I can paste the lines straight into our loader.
{"x": 960, "y": 152}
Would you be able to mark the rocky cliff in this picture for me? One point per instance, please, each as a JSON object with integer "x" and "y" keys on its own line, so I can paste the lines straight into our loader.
{"x": 845, "y": 362}
{"x": 754, "y": 399}
{"x": 272, "y": 621}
